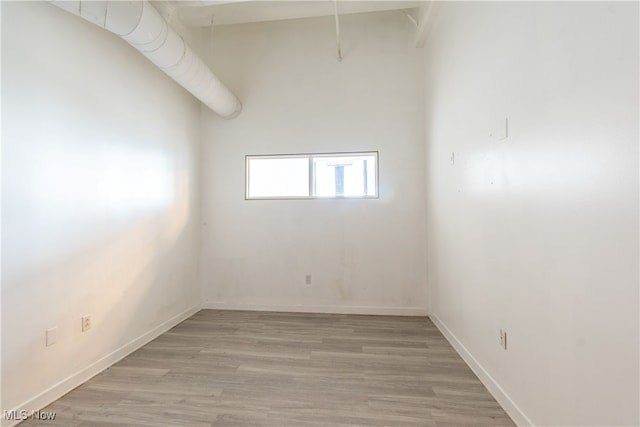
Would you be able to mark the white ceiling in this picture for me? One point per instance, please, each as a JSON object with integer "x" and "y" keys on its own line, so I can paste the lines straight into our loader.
{"x": 203, "y": 13}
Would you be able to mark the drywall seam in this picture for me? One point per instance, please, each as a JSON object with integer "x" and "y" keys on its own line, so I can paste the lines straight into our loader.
{"x": 331, "y": 309}
{"x": 516, "y": 414}
{"x": 66, "y": 385}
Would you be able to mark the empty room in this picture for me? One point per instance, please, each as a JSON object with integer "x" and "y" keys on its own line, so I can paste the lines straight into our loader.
{"x": 319, "y": 213}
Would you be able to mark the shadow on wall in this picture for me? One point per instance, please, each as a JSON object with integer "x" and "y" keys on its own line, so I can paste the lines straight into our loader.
{"x": 118, "y": 253}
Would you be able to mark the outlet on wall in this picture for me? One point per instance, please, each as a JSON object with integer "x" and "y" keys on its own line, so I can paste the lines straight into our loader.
{"x": 307, "y": 279}
{"x": 500, "y": 129}
{"x": 51, "y": 336}
{"x": 86, "y": 323}
{"x": 503, "y": 339}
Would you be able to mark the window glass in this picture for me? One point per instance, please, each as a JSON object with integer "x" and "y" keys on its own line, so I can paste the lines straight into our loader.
{"x": 344, "y": 176}
{"x": 277, "y": 177}
{"x": 340, "y": 175}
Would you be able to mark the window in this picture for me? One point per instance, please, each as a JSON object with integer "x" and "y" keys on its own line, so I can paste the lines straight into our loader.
{"x": 308, "y": 176}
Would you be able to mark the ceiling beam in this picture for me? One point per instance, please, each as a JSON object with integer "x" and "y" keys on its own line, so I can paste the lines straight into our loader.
{"x": 239, "y": 12}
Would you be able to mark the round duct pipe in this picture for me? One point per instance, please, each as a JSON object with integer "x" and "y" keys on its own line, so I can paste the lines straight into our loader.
{"x": 140, "y": 25}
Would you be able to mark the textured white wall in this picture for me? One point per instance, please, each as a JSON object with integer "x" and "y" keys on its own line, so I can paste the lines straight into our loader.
{"x": 538, "y": 234}
{"x": 100, "y": 199}
{"x": 364, "y": 255}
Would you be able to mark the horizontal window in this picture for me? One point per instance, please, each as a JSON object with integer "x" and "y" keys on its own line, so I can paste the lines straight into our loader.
{"x": 306, "y": 176}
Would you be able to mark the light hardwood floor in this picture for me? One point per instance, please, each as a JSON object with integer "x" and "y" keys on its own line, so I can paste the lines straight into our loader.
{"x": 234, "y": 368}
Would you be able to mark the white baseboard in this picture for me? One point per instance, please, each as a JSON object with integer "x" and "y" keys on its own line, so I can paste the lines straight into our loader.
{"x": 331, "y": 309}
{"x": 492, "y": 385}
{"x": 63, "y": 387}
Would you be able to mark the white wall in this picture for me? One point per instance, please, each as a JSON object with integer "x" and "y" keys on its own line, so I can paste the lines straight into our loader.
{"x": 0, "y": 215}
{"x": 538, "y": 234}
{"x": 100, "y": 200}
{"x": 364, "y": 255}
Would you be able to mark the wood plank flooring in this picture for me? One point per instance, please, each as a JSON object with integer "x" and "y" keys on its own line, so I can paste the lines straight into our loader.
{"x": 252, "y": 369}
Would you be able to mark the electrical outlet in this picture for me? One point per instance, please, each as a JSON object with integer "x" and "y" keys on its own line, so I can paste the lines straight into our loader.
{"x": 86, "y": 323}
{"x": 307, "y": 279}
{"x": 503, "y": 339}
{"x": 500, "y": 129}
{"x": 51, "y": 336}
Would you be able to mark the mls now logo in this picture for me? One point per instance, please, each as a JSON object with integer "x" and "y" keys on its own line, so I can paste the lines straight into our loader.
{"x": 15, "y": 415}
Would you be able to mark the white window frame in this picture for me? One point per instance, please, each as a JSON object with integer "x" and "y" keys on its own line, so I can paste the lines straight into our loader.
{"x": 310, "y": 157}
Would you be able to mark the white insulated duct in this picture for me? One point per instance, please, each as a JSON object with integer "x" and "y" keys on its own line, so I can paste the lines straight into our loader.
{"x": 140, "y": 24}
